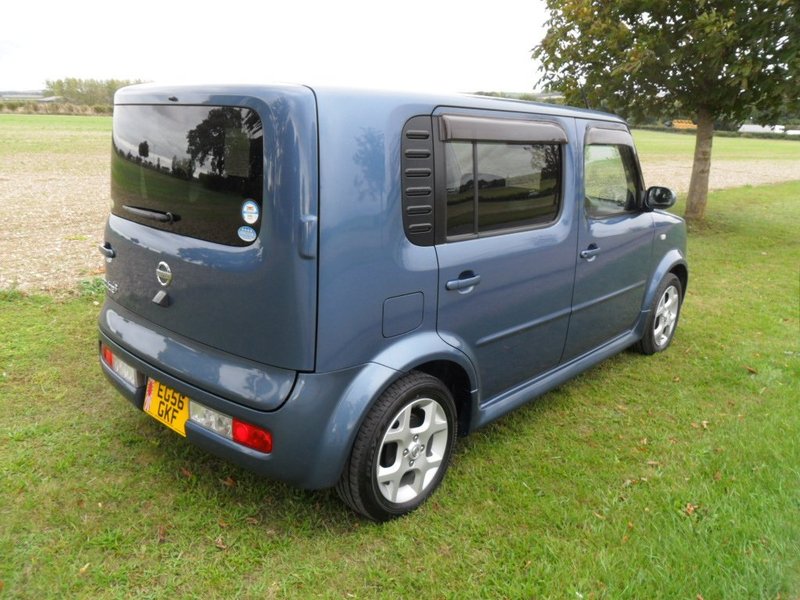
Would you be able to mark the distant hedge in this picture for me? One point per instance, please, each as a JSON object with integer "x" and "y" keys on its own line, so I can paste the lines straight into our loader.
{"x": 32, "y": 107}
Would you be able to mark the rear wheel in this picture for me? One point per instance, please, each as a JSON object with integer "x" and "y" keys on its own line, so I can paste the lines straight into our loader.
{"x": 663, "y": 318}
{"x": 402, "y": 450}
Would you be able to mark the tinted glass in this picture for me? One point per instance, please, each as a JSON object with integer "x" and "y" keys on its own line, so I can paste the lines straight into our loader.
{"x": 610, "y": 180}
{"x": 192, "y": 170}
{"x": 518, "y": 185}
{"x": 460, "y": 188}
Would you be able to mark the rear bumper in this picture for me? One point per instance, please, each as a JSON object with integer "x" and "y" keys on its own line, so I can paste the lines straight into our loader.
{"x": 312, "y": 431}
{"x": 259, "y": 386}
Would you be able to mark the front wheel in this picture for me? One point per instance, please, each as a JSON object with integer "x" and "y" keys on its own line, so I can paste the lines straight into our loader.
{"x": 402, "y": 450}
{"x": 663, "y": 318}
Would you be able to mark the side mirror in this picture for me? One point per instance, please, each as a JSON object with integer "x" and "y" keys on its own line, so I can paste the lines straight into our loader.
{"x": 659, "y": 198}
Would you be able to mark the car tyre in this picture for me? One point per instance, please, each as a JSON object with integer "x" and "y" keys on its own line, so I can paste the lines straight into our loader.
{"x": 663, "y": 318}
{"x": 402, "y": 450}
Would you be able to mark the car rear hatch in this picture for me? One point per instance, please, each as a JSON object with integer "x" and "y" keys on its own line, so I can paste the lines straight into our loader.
{"x": 212, "y": 233}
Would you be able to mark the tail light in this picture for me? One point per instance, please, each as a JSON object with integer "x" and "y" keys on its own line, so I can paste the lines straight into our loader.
{"x": 120, "y": 367}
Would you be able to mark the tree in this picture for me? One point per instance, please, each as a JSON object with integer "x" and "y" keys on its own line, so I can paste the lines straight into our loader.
{"x": 86, "y": 91}
{"x": 208, "y": 138}
{"x": 712, "y": 59}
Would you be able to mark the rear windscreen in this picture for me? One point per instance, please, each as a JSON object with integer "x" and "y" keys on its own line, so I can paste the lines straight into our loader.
{"x": 191, "y": 170}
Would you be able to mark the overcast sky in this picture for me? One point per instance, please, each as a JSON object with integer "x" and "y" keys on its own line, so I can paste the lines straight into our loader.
{"x": 409, "y": 44}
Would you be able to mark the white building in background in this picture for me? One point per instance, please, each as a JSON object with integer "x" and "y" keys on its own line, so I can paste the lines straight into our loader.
{"x": 20, "y": 96}
{"x": 749, "y": 128}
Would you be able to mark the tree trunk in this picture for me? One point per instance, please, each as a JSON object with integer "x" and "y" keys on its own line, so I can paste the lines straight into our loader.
{"x": 698, "y": 185}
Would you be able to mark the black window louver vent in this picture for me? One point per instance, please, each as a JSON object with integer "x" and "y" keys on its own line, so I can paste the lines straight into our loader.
{"x": 417, "y": 180}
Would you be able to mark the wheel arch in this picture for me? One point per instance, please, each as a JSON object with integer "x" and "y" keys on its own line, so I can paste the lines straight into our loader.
{"x": 672, "y": 262}
{"x": 456, "y": 379}
{"x": 441, "y": 360}
{"x": 682, "y": 273}
{"x": 358, "y": 397}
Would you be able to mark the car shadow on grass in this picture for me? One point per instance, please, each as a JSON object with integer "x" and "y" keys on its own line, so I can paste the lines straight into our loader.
{"x": 216, "y": 491}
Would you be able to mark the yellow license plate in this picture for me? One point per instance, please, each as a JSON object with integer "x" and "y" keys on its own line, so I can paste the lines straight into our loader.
{"x": 166, "y": 405}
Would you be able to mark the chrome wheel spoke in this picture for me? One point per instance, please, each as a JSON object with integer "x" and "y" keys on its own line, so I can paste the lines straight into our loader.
{"x": 429, "y": 470}
{"x": 418, "y": 483}
{"x": 433, "y": 423}
{"x": 669, "y": 305}
{"x": 400, "y": 431}
{"x": 669, "y": 321}
{"x": 658, "y": 330}
{"x": 389, "y": 480}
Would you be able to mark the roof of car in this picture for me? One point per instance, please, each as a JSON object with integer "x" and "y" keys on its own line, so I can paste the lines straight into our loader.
{"x": 159, "y": 93}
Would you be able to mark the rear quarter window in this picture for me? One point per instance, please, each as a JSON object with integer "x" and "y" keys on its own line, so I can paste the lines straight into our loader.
{"x": 191, "y": 170}
{"x": 501, "y": 186}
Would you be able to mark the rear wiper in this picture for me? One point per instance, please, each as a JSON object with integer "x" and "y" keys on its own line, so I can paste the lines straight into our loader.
{"x": 155, "y": 215}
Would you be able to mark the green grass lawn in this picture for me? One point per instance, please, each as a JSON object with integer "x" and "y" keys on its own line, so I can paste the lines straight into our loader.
{"x": 672, "y": 476}
{"x": 60, "y": 134}
{"x": 654, "y": 146}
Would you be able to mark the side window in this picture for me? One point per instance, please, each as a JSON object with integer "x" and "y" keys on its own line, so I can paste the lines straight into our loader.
{"x": 610, "y": 179}
{"x": 496, "y": 186}
{"x": 460, "y": 188}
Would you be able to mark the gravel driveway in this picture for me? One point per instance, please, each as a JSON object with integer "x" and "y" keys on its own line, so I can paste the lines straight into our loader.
{"x": 53, "y": 208}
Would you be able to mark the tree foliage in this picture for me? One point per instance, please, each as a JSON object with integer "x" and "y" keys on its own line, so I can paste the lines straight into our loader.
{"x": 711, "y": 59}
{"x": 208, "y": 138}
{"x": 86, "y": 91}
{"x": 216, "y": 136}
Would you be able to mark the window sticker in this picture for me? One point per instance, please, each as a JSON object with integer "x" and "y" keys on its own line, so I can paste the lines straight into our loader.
{"x": 247, "y": 234}
{"x": 250, "y": 212}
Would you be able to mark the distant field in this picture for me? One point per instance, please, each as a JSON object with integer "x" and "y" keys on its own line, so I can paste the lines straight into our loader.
{"x": 63, "y": 134}
{"x": 655, "y": 145}
{"x": 21, "y": 133}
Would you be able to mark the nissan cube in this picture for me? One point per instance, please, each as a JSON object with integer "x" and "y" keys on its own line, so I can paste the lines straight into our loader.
{"x": 328, "y": 286}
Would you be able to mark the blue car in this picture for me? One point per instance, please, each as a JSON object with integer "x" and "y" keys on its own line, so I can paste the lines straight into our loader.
{"x": 328, "y": 286}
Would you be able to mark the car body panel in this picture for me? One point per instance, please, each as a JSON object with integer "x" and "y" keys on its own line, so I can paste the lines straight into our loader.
{"x": 516, "y": 339}
{"x": 235, "y": 298}
{"x": 303, "y": 330}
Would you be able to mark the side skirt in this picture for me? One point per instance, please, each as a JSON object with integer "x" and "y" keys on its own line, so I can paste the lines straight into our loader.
{"x": 514, "y": 398}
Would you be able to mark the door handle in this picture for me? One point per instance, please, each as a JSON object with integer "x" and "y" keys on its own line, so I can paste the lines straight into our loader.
{"x": 466, "y": 280}
{"x": 590, "y": 253}
{"x": 107, "y": 251}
